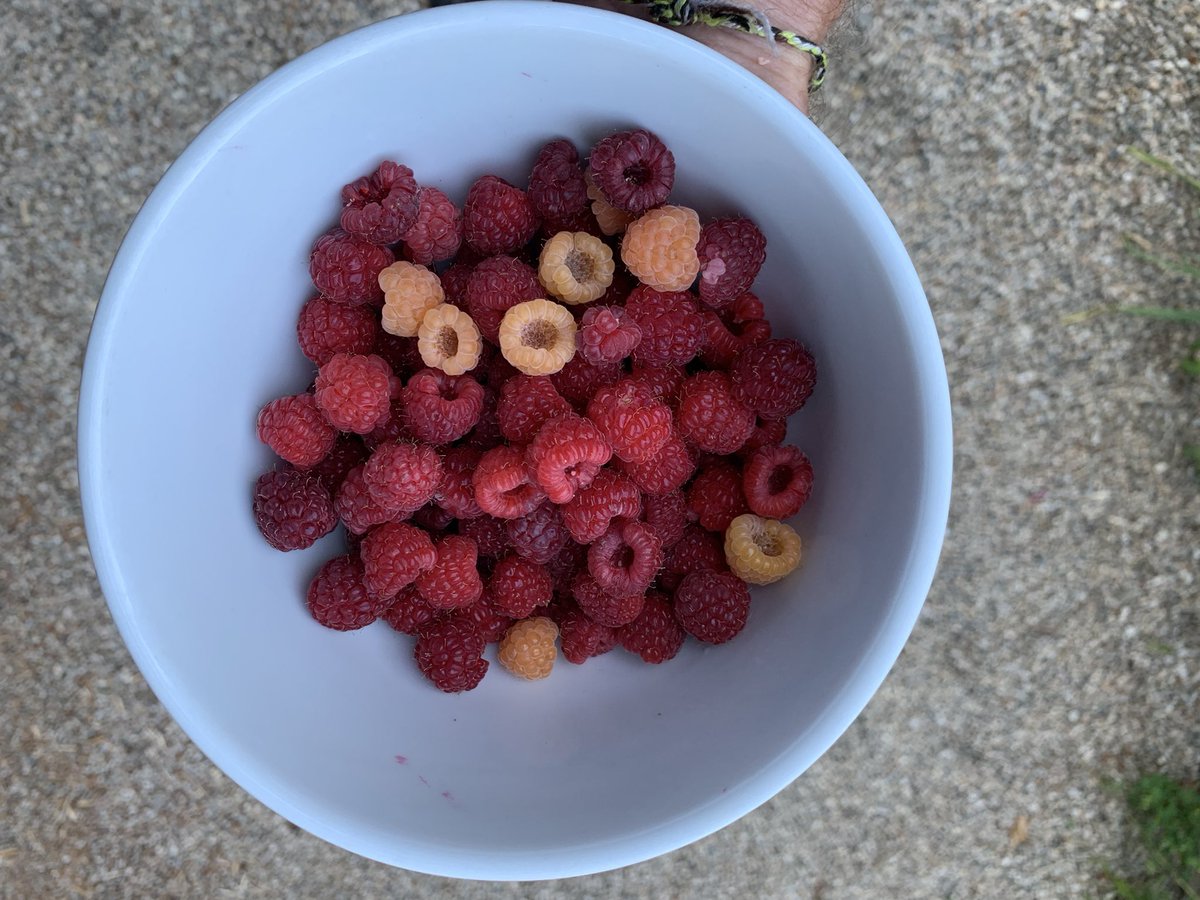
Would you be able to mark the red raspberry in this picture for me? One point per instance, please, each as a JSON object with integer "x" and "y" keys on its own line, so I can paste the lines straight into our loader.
{"x": 497, "y": 285}
{"x": 436, "y": 233}
{"x": 346, "y": 453}
{"x": 527, "y": 402}
{"x": 440, "y": 408}
{"x": 774, "y": 378}
{"x": 400, "y": 353}
{"x": 778, "y": 481}
{"x": 518, "y": 586}
{"x": 408, "y": 613}
{"x": 382, "y": 206}
{"x": 636, "y": 423}
{"x": 603, "y": 606}
{"x": 673, "y": 330}
{"x": 731, "y": 252}
{"x": 666, "y": 471}
{"x": 292, "y": 509}
{"x": 712, "y": 606}
{"x": 725, "y": 344}
{"x": 716, "y": 497}
{"x": 355, "y": 506}
{"x": 483, "y": 616}
{"x": 664, "y": 382}
{"x": 456, "y": 491}
{"x": 571, "y": 560}
{"x": 392, "y": 431}
{"x": 494, "y": 369}
{"x": 746, "y": 308}
{"x": 393, "y": 555}
{"x": 432, "y": 518}
{"x": 654, "y": 635}
{"x": 486, "y": 433}
{"x": 581, "y": 638}
{"x": 403, "y": 477}
{"x": 296, "y": 429}
{"x": 710, "y": 416}
{"x": 497, "y": 217}
{"x": 625, "y": 559}
{"x": 489, "y": 535}
{"x": 578, "y": 380}
{"x": 766, "y": 433}
{"x": 697, "y": 551}
{"x": 354, "y": 392}
{"x": 449, "y": 653}
{"x": 565, "y": 456}
{"x": 607, "y": 335}
{"x": 346, "y": 269}
{"x": 540, "y": 535}
{"x": 667, "y": 516}
{"x": 325, "y": 328}
{"x": 503, "y": 488}
{"x": 634, "y": 170}
{"x": 453, "y": 582}
{"x": 337, "y": 597}
{"x": 611, "y": 495}
{"x": 556, "y": 186}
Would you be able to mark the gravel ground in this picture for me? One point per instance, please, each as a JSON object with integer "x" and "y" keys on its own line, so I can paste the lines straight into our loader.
{"x": 1060, "y": 645}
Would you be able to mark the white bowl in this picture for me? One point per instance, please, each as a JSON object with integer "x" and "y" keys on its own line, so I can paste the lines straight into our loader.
{"x": 600, "y": 765}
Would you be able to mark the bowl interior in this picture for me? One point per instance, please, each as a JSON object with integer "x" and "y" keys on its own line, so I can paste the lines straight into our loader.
{"x": 599, "y": 765}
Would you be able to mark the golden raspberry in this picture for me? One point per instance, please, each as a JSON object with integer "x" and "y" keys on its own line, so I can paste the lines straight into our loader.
{"x": 528, "y": 650}
{"x": 610, "y": 219}
{"x": 660, "y": 248}
{"x": 448, "y": 340}
{"x": 760, "y": 551}
{"x": 409, "y": 291}
{"x": 576, "y": 267}
{"x": 538, "y": 336}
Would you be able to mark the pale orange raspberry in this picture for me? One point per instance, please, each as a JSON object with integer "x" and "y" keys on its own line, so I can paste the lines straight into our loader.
{"x": 448, "y": 340}
{"x": 760, "y": 551}
{"x": 660, "y": 248}
{"x": 576, "y": 267}
{"x": 610, "y": 219}
{"x": 538, "y": 336}
{"x": 528, "y": 649}
{"x": 409, "y": 291}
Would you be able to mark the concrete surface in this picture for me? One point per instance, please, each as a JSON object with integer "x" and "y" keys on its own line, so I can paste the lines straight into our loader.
{"x": 1061, "y": 642}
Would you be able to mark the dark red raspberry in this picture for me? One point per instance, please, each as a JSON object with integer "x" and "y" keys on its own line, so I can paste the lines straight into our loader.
{"x": 382, "y": 206}
{"x": 540, "y": 535}
{"x": 746, "y": 308}
{"x": 296, "y": 430}
{"x": 777, "y": 481}
{"x": 325, "y": 328}
{"x": 408, "y": 613}
{"x": 393, "y": 555}
{"x": 556, "y": 186}
{"x": 440, "y": 408}
{"x": 766, "y": 433}
{"x": 654, "y": 635}
{"x": 667, "y": 515}
{"x": 571, "y": 560}
{"x": 497, "y": 285}
{"x": 518, "y": 586}
{"x": 346, "y": 269}
{"x": 486, "y": 433}
{"x": 400, "y": 353}
{"x": 636, "y": 423}
{"x": 565, "y": 456}
{"x": 454, "y": 282}
{"x": 697, "y": 551}
{"x": 503, "y": 487}
{"x": 483, "y": 616}
{"x": 725, "y": 342}
{"x": 673, "y": 331}
{"x": 581, "y": 638}
{"x": 578, "y": 380}
{"x": 432, "y": 518}
{"x": 731, "y": 252}
{"x": 710, "y": 416}
{"x": 774, "y": 378}
{"x": 625, "y": 559}
{"x": 634, "y": 170}
{"x": 436, "y": 233}
{"x": 611, "y": 495}
{"x": 666, "y": 471}
{"x": 497, "y": 217}
{"x": 489, "y": 535}
{"x": 607, "y": 335}
{"x": 449, "y": 653}
{"x": 493, "y": 369}
{"x": 346, "y": 453}
{"x": 712, "y": 606}
{"x": 355, "y": 506}
{"x": 354, "y": 392}
{"x": 403, "y": 477}
{"x": 338, "y": 598}
{"x": 292, "y": 509}
{"x": 603, "y": 606}
{"x": 715, "y": 495}
{"x": 527, "y": 402}
{"x": 664, "y": 382}
{"x": 453, "y": 581}
{"x": 392, "y": 431}
{"x": 456, "y": 492}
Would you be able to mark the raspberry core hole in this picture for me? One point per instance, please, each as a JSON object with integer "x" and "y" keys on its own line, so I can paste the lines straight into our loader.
{"x": 581, "y": 266}
{"x": 638, "y": 173}
{"x": 767, "y": 543}
{"x": 780, "y": 478}
{"x": 539, "y": 334}
{"x": 447, "y": 342}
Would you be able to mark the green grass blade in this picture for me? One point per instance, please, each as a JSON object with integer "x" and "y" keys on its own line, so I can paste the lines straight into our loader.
{"x": 1166, "y": 263}
{"x": 1162, "y": 313}
{"x": 1164, "y": 166}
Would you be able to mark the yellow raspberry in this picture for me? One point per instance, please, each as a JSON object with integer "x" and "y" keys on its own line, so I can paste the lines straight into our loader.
{"x": 760, "y": 551}
{"x": 448, "y": 340}
{"x": 409, "y": 291}
{"x": 660, "y": 248}
{"x": 576, "y": 267}
{"x": 610, "y": 219}
{"x": 538, "y": 336}
{"x": 528, "y": 650}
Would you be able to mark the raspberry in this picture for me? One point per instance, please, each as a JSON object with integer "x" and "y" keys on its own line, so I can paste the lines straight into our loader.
{"x": 518, "y": 586}
{"x": 325, "y": 328}
{"x": 497, "y": 217}
{"x": 673, "y": 330}
{"x": 497, "y": 285}
{"x": 346, "y": 453}
{"x": 604, "y": 607}
{"x": 664, "y": 382}
{"x": 636, "y": 423}
{"x": 502, "y": 486}
{"x": 579, "y": 379}
{"x": 540, "y": 535}
{"x": 528, "y": 650}
{"x": 409, "y": 291}
{"x": 576, "y": 267}
{"x": 777, "y": 481}
{"x": 774, "y": 378}
{"x": 716, "y": 496}
{"x": 571, "y": 560}
{"x": 654, "y": 635}
{"x": 634, "y": 170}
{"x": 436, "y": 232}
{"x": 556, "y": 186}
{"x": 355, "y": 506}
{"x": 296, "y": 430}
{"x": 354, "y": 392}
{"x": 668, "y": 470}
{"x": 746, "y": 308}
{"x": 766, "y": 433}
{"x": 660, "y": 248}
{"x": 483, "y": 616}
{"x": 432, "y": 518}
{"x": 607, "y": 335}
{"x": 696, "y": 551}
{"x": 440, "y": 408}
{"x": 537, "y": 336}
{"x": 710, "y": 416}
{"x": 724, "y": 344}
{"x": 760, "y": 550}
{"x": 337, "y": 597}
{"x": 454, "y": 282}
{"x": 486, "y": 433}
{"x": 292, "y": 509}
{"x": 408, "y": 613}
{"x": 453, "y": 581}
{"x": 401, "y": 353}
{"x": 403, "y": 477}
{"x": 448, "y": 340}
{"x": 731, "y": 252}
{"x": 393, "y": 555}
{"x": 526, "y": 403}
{"x": 489, "y": 535}
{"x": 346, "y": 269}
{"x": 456, "y": 491}
{"x": 581, "y": 638}
{"x": 498, "y": 370}
{"x": 611, "y": 220}
{"x": 382, "y": 206}
{"x": 450, "y": 654}
{"x": 391, "y": 431}
{"x": 712, "y": 607}
{"x": 565, "y": 456}
{"x": 611, "y": 495}
{"x": 625, "y": 559}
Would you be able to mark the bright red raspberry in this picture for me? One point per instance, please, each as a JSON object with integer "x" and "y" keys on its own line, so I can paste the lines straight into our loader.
{"x": 625, "y": 559}
{"x": 603, "y": 606}
{"x": 540, "y": 535}
{"x": 436, "y": 233}
{"x": 403, "y": 477}
{"x": 673, "y": 330}
{"x": 774, "y": 378}
{"x": 611, "y": 495}
{"x": 518, "y": 586}
{"x": 654, "y": 635}
{"x": 346, "y": 269}
{"x": 766, "y": 433}
{"x": 483, "y": 616}
{"x": 636, "y": 423}
{"x": 527, "y": 402}
{"x": 393, "y": 555}
{"x": 697, "y": 551}
{"x": 712, "y": 606}
{"x": 556, "y": 186}
{"x": 292, "y": 509}
{"x": 354, "y": 392}
{"x": 456, "y": 491}
{"x": 503, "y": 487}
{"x": 453, "y": 581}
{"x": 634, "y": 170}
{"x": 432, "y": 518}
{"x": 565, "y": 456}
{"x": 440, "y": 408}
{"x": 578, "y": 380}
{"x": 347, "y": 452}
{"x": 400, "y": 353}
{"x": 489, "y": 535}
{"x": 355, "y": 506}
{"x": 338, "y": 598}
{"x": 715, "y": 495}
{"x": 666, "y": 471}
{"x": 497, "y": 217}
{"x": 325, "y": 328}
{"x": 497, "y": 285}
{"x": 392, "y": 431}
{"x": 667, "y": 515}
{"x": 408, "y": 613}
{"x": 777, "y": 481}
{"x": 486, "y": 433}
{"x": 449, "y": 652}
{"x": 581, "y": 638}
{"x": 664, "y": 382}
{"x": 606, "y": 335}
{"x": 725, "y": 342}
{"x": 382, "y": 206}
{"x": 710, "y": 416}
{"x": 731, "y": 252}
{"x": 296, "y": 429}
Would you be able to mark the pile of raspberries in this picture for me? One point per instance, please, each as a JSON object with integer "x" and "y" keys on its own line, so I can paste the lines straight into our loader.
{"x": 551, "y": 418}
